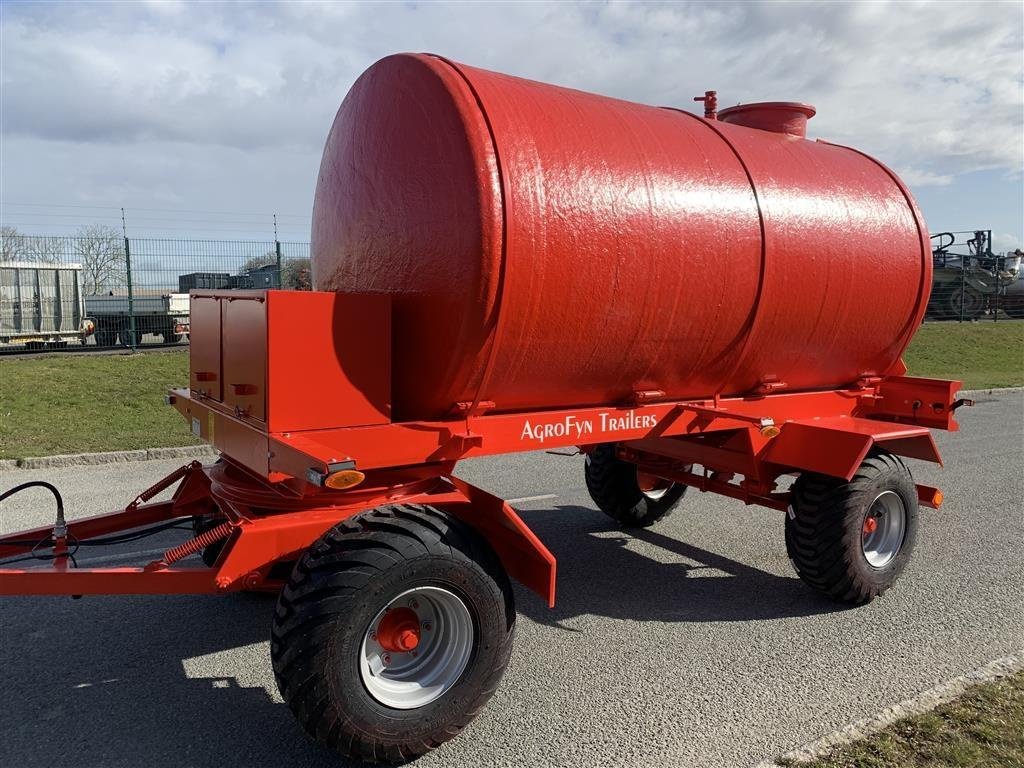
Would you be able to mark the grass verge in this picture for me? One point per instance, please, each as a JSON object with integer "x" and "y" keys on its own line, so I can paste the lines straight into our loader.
{"x": 77, "y": 403}
{"x": 982, "y": 355}
{"x": 984, "y": 728}
{"x": 80, "y": 403}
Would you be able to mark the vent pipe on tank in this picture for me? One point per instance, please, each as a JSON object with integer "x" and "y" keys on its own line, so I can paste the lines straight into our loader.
{"x": 710, "y": 99}
{"x": 789, "y": 117}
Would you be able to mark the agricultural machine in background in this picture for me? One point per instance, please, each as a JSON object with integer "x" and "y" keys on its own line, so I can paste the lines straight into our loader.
{"x": 969, "y": 280}
{"x": 505, "y": 266}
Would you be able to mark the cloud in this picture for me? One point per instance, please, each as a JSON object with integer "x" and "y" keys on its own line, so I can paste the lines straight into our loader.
{"x": 918, "y": 178}
{"x": 1004, "y": 242}
{"x": 932, "y": 88}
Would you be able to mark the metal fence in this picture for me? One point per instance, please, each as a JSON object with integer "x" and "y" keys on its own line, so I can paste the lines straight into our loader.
{"x": 107, "y": 290}
{"x": 970, "y": 282}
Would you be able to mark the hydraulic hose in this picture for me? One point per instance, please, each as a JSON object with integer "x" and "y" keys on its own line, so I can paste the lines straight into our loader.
{"x": 61, "y": 523}
{"x": 60, "y": 527}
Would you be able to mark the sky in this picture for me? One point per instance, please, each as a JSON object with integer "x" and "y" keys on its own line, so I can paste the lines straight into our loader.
{"x": 203, "y": 119}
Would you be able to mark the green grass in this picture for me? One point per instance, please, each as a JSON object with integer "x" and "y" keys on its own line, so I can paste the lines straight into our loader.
{"x": 79, "y": 403}
{"x": 75, "y": 403}
{"x": 982, "y": 729}
{"x": 981, "y": 355}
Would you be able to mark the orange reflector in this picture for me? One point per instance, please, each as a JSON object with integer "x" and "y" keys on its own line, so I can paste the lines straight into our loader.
{"x": 929, "y": 497}
{"x": 770, "y": 431}
{"x": 345, "y": 478}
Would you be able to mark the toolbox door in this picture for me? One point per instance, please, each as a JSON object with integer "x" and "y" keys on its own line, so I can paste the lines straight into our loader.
{"x": 204, "y": 347}
{"x": 244, "y": 350}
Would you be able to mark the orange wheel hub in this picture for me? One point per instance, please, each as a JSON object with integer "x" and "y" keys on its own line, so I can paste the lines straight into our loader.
{"x": 870, "y": 525}
{"x": 399, "y": 631}
{"x": 648, "y": 482}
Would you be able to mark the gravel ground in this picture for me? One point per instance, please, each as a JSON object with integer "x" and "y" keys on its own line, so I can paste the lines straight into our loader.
{"x": 689, "y": 644}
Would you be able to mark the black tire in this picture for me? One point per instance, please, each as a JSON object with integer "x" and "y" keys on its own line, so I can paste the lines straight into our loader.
{"x": 106, "y": 335}
{"x": 338, "y": 588}
{"x": 939, "y": 302}
{"x": 125, "y": 335}
{"x": 612, "y": 484}
{"x": 826, "y": 524}
{"x": 973, "y": 303}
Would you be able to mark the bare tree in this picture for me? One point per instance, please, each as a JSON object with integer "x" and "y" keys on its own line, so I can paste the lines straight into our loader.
{"x": 295, "y": 274}
{"x": 100, "y": 249}
{"x": 12, "y": 244}
{"x": 46, "y": 248}
{"x": 15, "y": 246}
{"x": 256, "y": 262}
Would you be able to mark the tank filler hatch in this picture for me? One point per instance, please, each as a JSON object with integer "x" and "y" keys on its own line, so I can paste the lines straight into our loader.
{"x": 789, "y": 117}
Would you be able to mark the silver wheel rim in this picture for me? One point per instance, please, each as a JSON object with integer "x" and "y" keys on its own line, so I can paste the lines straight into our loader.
{"x": 883, "y": 529}
{"x": 654, "y": 494}
{"x": 410, "y": 679}
{"x": 657, "y": 493}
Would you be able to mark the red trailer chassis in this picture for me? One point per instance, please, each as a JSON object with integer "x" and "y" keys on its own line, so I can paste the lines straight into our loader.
{"x": 268, "y": 485}
{"x": 273, "y": 516}
{"x": 309, "y": 454}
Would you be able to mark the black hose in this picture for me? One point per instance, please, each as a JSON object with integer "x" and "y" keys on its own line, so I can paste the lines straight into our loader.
{"x": 60, "y": 526}
{"x": 40, "y": 484}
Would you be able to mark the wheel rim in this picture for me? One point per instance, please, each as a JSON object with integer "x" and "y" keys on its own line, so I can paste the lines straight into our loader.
{"x": 969, "y": 304}
{"x": 416, "y": 648}
{"x": 654, "y": 488}
{"x": 883, "y": 529}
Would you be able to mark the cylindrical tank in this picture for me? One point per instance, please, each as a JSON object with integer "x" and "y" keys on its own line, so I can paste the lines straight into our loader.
{"x": 546, "y": 247}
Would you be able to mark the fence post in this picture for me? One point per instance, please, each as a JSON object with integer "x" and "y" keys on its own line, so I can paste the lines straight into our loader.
{"x": 131, "y": 298}
{"x": 277, "y": 250}
{"x": 994, "y": 302}
{"x": 964, "y": 261}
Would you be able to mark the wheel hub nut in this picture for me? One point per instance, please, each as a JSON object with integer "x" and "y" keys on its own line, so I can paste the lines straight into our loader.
{"x": 399, "y": 631}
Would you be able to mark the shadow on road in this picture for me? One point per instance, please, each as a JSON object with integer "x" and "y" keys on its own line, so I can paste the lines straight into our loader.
{"x": 598, "y": 575}
{"x": 103, "y": 682}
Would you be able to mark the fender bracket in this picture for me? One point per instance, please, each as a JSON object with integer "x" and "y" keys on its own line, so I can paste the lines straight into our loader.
{"x": 522, "y": 554}
{"x": 836, "y": 446}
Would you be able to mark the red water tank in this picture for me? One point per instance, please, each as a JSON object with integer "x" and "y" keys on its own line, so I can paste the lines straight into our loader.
{"x": 547, "y": 247}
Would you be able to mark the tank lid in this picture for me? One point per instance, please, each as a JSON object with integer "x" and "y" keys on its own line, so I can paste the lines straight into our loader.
{"x": 788, "y": 117}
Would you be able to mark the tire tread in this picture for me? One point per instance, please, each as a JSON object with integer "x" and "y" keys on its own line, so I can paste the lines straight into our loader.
{"x": 818, "y": 531}
{"x": 337, "y": 568}
{"x": 611, "y": 483}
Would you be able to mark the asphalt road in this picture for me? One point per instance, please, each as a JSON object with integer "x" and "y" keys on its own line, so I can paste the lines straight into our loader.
{"x": 689, "y": 644}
